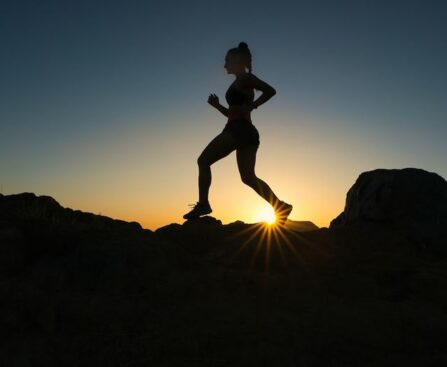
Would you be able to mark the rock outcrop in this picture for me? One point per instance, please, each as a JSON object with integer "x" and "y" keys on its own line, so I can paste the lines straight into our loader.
{"x": 28, "y": 208}
{"x": 409, "y": 199}
{"x": 79, "y": 289}
{"x": 396, "y": 197}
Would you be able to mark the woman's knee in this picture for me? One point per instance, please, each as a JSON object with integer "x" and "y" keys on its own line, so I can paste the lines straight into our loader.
{"x": 202, "y": 160}
{"x": 249, "y": 179}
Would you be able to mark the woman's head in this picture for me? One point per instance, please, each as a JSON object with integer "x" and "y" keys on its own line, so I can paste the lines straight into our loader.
{"x": 237, "y": 59}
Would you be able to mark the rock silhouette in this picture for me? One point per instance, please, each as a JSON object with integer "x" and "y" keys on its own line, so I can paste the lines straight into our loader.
{"x": 83, "y": 289}
{"x": 411, "y": 199}
{"x": 408, "y": 196}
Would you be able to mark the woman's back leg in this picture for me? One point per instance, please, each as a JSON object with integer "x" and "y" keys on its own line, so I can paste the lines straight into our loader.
{"x": 246, "y": 160}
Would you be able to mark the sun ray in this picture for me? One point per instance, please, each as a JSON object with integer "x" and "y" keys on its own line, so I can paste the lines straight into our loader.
{"x": 258, "y": 247}
{"x": 255, "y": 232}
{"x": 261, "y": 238}
{"x": 267, "y": 215}
{"x": 267, "y": 249}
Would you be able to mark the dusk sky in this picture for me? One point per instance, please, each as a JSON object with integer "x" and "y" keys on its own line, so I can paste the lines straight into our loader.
{"x": 104, "y": 103}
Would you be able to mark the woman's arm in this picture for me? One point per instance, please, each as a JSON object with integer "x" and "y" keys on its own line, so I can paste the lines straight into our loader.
{"x": 222, "y": 109}
{"x": 267, "y": 90}
{"x": 213, "y": 100}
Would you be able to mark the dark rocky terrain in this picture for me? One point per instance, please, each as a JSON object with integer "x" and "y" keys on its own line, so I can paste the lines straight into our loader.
{"x": 81, "y": 289}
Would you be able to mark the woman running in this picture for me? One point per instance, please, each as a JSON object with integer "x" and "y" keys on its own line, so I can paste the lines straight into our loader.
{"x": 239, "y": 133}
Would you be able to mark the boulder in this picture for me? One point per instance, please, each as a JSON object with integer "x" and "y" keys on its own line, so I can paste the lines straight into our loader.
{"x": 398, "y": 197}
{"x": 409, "y": 199}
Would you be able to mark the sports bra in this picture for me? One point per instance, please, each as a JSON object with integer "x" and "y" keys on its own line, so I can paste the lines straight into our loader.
{"x": 236, "y": 97}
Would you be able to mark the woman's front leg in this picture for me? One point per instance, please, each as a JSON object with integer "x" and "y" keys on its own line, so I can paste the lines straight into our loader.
{"x": 218, "y": 148}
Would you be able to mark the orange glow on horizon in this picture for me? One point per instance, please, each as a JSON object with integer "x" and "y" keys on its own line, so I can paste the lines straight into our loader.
{"x": 267, "y": 215}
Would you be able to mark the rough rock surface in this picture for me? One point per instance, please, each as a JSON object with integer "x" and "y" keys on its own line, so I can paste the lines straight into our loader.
{"x": 410, "y": 198}
{"x": 78, "y": 290}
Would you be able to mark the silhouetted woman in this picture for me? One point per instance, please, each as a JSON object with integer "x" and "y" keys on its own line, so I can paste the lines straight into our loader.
{"x": 239, "y": 133}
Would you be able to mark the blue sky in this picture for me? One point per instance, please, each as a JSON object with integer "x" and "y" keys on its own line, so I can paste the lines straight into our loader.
{"x": 103, "y": 104}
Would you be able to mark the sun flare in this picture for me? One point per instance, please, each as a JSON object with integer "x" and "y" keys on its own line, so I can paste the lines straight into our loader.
{"x": 267, "y": 215}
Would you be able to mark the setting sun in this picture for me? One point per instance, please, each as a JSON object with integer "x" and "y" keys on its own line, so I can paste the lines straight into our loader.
{"x": 267, "y": 215}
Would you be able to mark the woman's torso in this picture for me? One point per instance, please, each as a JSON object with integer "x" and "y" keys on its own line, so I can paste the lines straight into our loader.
{"x": 238, "y": 96}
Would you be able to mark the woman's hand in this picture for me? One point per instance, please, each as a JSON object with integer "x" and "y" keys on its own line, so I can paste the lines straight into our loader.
{"x": 213, "y": 100}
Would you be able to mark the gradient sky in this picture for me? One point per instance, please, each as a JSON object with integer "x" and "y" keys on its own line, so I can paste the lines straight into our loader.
{"x": 103, "y": 104}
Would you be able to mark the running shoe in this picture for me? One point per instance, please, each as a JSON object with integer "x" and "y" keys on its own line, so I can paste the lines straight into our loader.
{"x": 197, "y": 210}
{"x": 282, "y": 212}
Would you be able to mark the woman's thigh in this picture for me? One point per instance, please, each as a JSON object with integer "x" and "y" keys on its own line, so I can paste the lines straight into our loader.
{"x": 222, "y": 145}
{"x": 246, "y": 160}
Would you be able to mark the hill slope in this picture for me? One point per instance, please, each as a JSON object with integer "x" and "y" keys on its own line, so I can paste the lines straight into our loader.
{"x": 80, "y": 289}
